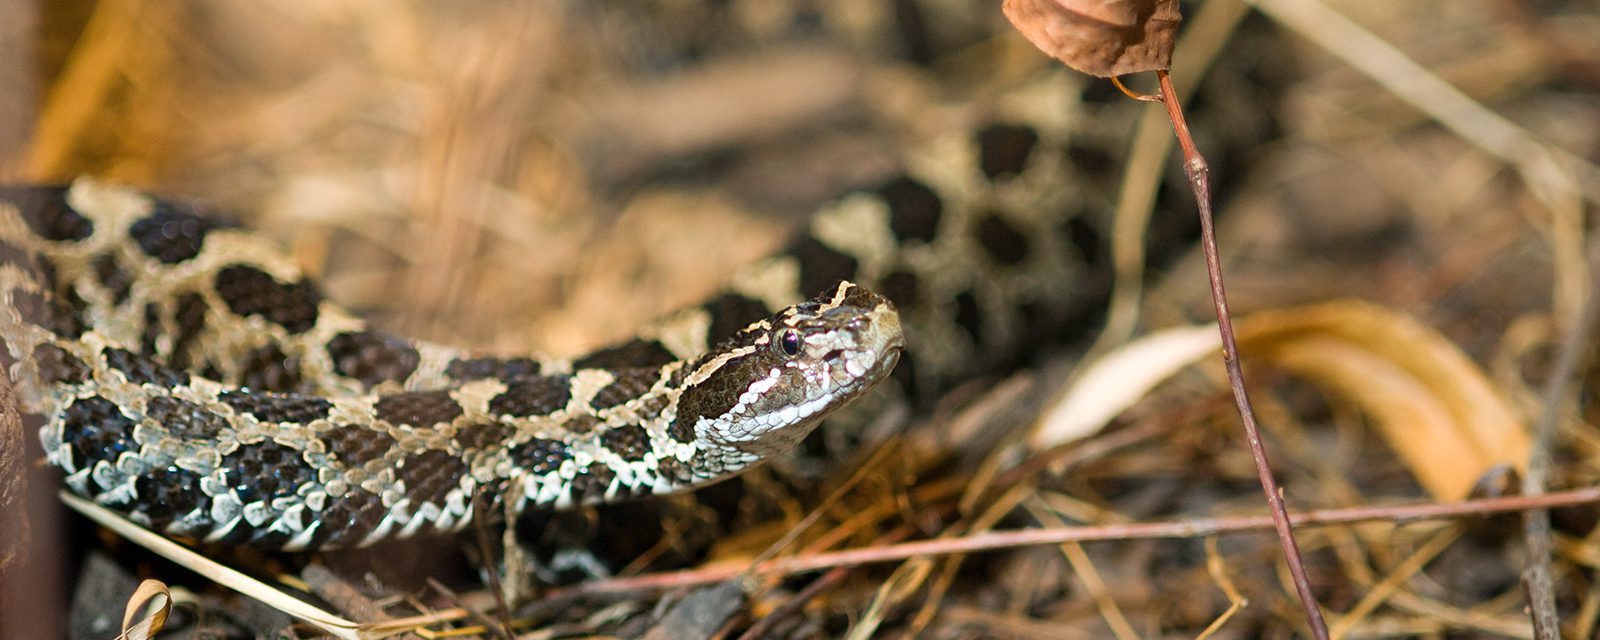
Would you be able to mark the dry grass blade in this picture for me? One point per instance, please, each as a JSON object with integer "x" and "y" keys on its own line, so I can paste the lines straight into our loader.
{"x": 1393, "y": 582}
{"x": 244, "y": 584}
{"x": 1083, "y": 567}
{"x": 1432, "y": 403}
{"x": 1009, "y": 539}
{"x": 1112, "y": 383}
{"x": 1557, "y": 178}
{"x": 145, "y": 599}
{"x": 1219, "y": 574}
{"x": 450, "y": 174}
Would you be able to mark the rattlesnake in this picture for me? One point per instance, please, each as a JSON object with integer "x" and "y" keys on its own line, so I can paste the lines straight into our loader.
{"x": 193, "y": 379}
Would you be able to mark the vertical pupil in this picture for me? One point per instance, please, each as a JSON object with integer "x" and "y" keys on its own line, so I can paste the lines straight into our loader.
{"x": 790, "y": 342}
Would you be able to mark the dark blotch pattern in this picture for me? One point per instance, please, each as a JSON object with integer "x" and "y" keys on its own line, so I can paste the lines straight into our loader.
{"x": 268, "y": 368}
{"x": 113, "y": 277}
{"x": 681, "y": 429}
{"x": 49, "y": 313}
{"x": 140, "y": 370}
{"x": 731, "y": 312}
{"x": 96, "y": 430}
{"x": 1093, "y": 162}
{"x": 372, "y": 357}
{"x": 185, "y": 419}
{"x": 190, "y": 315}
{"x": 634, "y": 353}
{"x": 629, "y": 384}
{"x": 540, "y": 456}
{"x": 278, "y": 407}
{"x": 482, "y": 436}
{"x": 249, "y": 291}
{"x": 532, "y": 396}
{"x": 590, "y": 484}
{"x": 499, "y": 368}
{"x": 32, "y": 307}
{"x": 1001, "y": 240}
{"x": 417, "y": 408}
{"x": 905, "y": 374}
{"x": 630, "y": 442}
{"x": 56, "y": 366}
{"x": 970, "y": 316}
{"x": 171, "y": 235}
{"x": 46, "y": 212}
{"x": 821, "y": 266}
{"x": 903, "y": 288}
{"x": 715, "y": 395}
{"x": 16, "y": 256}
{"x": 654, "y": 405}
{"x": 152, "y": 330}
{"x": 167, "y": 494}
{"x": 1037, "y": 321}
{"x": 580, "y": 424}
{"x": 355, "y": 446}
{"x": 1003, "y": 149}
{"x": 349, "y": 518}
{"x": 914, "y": 209}
{"x": 431, "y": 475}
{"x": 674, "y": 470}
{"x": 259, "y": 538}
{"x": 860, "y": 298}
{"x": 1087, "y": 239}
{"x": 76, "y": 308}
{"x": 266, "y": 471}
{"x": 48, "y": 275}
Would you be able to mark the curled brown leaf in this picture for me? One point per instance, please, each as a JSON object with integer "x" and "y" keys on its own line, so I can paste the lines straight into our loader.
{"x": 1431, "y": 403}
{"x": 1434, "y": 406}
{"x": 1103, "y": 38}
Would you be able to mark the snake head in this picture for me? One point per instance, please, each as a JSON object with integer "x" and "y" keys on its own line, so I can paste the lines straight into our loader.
{"x": 764, "y": 389}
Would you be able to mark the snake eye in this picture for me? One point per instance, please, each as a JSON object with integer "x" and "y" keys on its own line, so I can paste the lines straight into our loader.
{"x": 789, "y": 342}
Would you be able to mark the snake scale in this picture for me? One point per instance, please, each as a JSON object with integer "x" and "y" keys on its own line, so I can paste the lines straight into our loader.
{"x": 192, "y": 378}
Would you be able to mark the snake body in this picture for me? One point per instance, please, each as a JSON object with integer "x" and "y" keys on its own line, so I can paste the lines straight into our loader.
{"x": 191, "y": 377}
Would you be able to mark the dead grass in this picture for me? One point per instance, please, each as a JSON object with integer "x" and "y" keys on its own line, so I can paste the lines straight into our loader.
{"x": 517, "y": 175}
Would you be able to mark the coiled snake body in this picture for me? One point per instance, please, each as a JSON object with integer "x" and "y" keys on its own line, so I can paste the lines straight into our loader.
{"x": 193, "y": 379}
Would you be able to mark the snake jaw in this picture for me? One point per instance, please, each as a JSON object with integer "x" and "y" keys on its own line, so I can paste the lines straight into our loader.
{"x": 760, "y": 400}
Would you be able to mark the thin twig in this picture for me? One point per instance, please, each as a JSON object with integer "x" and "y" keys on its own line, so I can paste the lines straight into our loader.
{"x": 1575, "y": 350}
{"x": 828, "y": 581}
{"x": 490, "y": 624}
{"x": 998, "y": 540}
{"x": 1194, "y": 165}
{"x": 480, "y": 532}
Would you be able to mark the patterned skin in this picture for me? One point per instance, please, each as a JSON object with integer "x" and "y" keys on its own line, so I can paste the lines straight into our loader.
{"x": 364, "y": 458}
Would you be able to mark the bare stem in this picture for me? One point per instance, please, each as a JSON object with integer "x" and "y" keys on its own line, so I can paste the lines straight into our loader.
{"x": 1000, "y": 540}
{"x": 1194, "y": 165}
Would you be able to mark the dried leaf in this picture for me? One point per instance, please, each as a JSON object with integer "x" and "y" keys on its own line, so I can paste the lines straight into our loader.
{"x": 1112, "y": 383}
{"x": 1431, "y": 403}
{"x": 154, "y": 601}
{"x": 215, "y": 571}
{"x": 1100, "y": 37}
